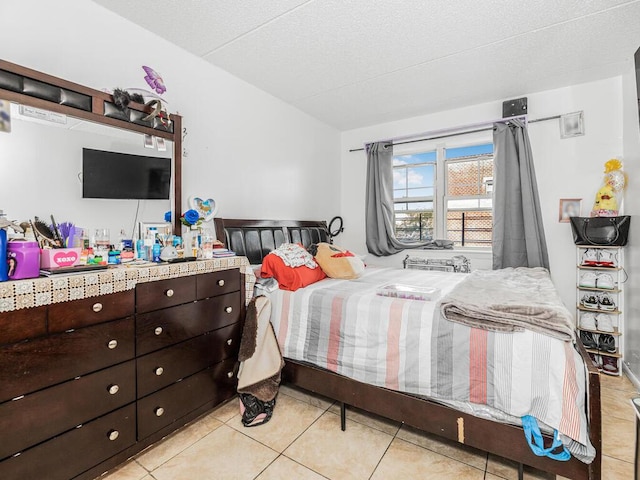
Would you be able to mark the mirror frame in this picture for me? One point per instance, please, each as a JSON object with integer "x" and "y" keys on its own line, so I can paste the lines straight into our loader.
{"x": 13, "y": 91}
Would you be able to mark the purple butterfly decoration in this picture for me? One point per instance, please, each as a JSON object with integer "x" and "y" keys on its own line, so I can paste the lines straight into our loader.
{"x": 154, "y": 80}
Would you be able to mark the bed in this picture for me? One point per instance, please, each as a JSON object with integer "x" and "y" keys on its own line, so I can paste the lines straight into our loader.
{"x": 256, "y": 238}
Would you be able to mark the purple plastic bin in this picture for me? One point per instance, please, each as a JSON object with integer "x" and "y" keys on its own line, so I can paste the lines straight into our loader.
{"x": 23, "y": 259}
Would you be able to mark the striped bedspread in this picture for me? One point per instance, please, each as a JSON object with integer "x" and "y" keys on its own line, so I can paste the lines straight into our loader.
{"x": 405, "y": 345}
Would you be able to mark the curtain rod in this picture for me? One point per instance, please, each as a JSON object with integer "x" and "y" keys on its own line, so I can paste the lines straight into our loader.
{"x": 436, "y": 134}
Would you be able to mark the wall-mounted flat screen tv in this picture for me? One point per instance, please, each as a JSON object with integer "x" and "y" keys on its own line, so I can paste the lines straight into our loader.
{"x": 124, "y": 176}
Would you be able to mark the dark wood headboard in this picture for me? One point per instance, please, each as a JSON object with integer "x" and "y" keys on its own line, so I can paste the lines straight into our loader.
{"x": 256, "y": 238}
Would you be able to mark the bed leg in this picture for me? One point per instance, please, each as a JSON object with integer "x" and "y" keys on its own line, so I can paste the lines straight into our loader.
{"x": 343, "y": 416}
{"x": 520, "y": 471}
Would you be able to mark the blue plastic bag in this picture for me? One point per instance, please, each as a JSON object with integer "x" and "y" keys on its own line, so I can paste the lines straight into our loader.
{"x": 534, "y": 439}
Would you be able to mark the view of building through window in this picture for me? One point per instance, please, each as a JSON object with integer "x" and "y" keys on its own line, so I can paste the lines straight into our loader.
{"x": 463, "y": 199}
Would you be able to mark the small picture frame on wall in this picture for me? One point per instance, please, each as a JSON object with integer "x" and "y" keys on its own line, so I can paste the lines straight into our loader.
{"x": 569, "y": 207}
{"x": 572, "y": 124}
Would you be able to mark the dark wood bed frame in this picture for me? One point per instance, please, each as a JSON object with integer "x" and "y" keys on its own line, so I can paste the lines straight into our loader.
{"x": 255, "y": 238}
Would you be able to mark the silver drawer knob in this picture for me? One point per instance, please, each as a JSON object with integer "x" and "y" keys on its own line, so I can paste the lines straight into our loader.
{"x": 96, "y": 307}
{"x": 228, "y": 309}
{"x": 221, "y": 283}
{"x": 230, "y": 341}
{"x": 158, "y": 331}
{"x": 113, "y": 435}
{"x": 159, "y": 371}
{"x": 229, "y": 374}
{"x": 113, "y": 389}
{"x": 159, "y": 411}
{"x": 112, "y": 344}
{"x": 169, "y": 293}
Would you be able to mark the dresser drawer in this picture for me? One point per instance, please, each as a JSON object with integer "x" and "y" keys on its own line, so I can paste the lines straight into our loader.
{"x": 47, "y": 413}
{"x": 167, "y": 406}
{"x": 166, "y": 327}
{"x": 165, "y": 293}
{"x": 217, "y": 283}
{"x": 164, "y": 367}
{"x": 76, "y": 451}
{"x": 90, "y": 311}
{"x": 23, "y": 324}
{"x": 29, "y": 366}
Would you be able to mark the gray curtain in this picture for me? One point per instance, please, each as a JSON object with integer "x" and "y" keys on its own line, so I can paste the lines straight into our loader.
{"x": 518, "y": 234}
{"x": 381, "y": 240}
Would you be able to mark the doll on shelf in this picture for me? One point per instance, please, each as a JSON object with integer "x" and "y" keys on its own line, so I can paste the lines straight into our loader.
{"x": 606, "y": 203}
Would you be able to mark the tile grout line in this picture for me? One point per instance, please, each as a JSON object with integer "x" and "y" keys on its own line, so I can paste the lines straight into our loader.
{"x": 281, "y": 454}
{"x": 395, "y": 435}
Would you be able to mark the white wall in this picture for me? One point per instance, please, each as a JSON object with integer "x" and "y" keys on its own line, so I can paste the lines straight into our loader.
{"x": 257, "y": 156}
{"x": 565, "y": 168}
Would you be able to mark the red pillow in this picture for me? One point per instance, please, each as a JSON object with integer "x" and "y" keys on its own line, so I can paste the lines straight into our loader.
{"x": 289, "y": 278}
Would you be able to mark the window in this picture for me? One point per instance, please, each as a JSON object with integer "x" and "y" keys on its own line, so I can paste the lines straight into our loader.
{"x": 458, "y": 207}
{"x": 413, "y": 195}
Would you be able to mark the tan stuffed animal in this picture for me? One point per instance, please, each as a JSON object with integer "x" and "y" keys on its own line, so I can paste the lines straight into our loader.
{"x": 338, "y": 263}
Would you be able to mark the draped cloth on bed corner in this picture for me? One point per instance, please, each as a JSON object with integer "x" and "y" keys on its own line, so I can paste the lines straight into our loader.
{"x": 380, "y": 233}
{"x": 260, "y": 358}
{"x": 518, "y": 233}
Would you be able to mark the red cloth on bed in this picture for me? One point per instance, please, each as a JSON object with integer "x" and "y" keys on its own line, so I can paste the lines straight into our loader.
{"x": 289, "y": 278}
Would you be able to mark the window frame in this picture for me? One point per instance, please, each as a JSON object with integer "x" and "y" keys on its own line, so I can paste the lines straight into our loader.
{"x": 428, "y": 198}
{"x": 440, "y": 183}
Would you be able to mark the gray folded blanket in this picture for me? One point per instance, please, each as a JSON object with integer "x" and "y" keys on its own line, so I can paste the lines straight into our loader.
{"x": 509, "y": 300}
{"x": 438, "y": 245}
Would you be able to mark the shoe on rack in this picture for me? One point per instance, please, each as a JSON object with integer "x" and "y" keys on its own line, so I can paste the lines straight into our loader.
{"x": 604, "y": 322}
{"x": 588, "y": 280}
{"x": 610, "y": 365}
{"x": 589, "y": 300}
{"x": 605, "y": 259}
{"x": 597, "y": 361}
{"x": 605, "y": 280}
{"x": 605, "y": 302}
{"x": 590, "y": 257}
{"x": 606, "y": 343}
{"x": 589, "y": 340}
{"x": 588, "y": 321}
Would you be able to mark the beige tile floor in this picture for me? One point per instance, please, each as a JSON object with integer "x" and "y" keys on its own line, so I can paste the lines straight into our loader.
{"x": 303, "y": 441}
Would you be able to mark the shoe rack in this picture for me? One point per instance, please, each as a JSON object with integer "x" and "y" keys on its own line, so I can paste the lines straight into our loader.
{"x": 600, "y": 278}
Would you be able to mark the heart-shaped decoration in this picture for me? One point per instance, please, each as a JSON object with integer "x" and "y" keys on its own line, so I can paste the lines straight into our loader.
{"x": 206, "y": 208}
{"x": 65, "y": 258}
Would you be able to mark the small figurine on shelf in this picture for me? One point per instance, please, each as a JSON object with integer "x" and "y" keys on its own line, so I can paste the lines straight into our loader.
{"x": 607, "y": 203}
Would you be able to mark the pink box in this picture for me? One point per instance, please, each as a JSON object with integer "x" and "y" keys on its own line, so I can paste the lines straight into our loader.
{"x": 59, "y": 257}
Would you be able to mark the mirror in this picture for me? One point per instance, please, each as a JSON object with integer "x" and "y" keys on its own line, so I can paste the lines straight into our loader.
{"x": 53, "y": 120}
{"x": 43, "y": 165}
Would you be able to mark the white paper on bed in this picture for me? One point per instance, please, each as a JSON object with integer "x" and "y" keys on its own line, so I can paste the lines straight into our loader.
{"x": 345, "y": 327}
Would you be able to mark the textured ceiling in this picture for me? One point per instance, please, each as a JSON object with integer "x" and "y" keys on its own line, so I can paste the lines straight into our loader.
{"x": 363, "y": 62}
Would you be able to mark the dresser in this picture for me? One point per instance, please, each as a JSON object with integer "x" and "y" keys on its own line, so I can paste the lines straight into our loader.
{"x": 87, "y": 383}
